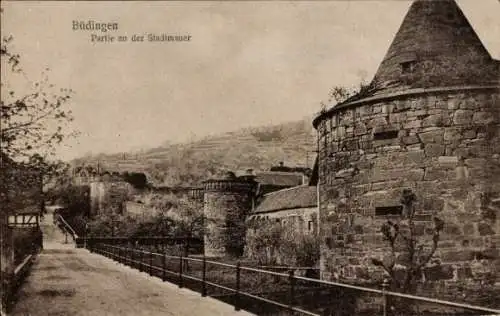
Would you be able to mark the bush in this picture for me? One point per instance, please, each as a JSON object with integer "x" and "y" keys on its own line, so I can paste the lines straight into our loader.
{"x": 26, "y": 241}
{"x": 271, "y": 243}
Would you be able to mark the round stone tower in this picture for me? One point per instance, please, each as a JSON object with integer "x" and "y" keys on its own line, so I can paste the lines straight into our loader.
{"x": 227, "y": 201}
{"x": 430, "y": 122}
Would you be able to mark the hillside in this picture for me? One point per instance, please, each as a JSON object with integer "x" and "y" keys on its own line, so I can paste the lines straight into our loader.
{"x": 189, "y": 163}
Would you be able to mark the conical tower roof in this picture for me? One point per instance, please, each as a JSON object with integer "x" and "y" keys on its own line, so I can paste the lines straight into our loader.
{"x": 435, "y": 47}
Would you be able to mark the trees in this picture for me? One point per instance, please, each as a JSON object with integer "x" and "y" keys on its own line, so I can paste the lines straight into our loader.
{"x": 137, "y": 179}
{"x": 33, "y": 121}
{"x": 408, "y": 253}
{"x": 188, "y": 221}
{"x": 32, "y": 124}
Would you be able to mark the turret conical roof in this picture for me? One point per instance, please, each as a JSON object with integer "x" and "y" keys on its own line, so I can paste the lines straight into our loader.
{"x": 435, "y": 46}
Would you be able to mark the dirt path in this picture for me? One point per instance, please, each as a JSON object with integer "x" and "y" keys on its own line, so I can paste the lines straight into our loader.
{"x": 69, "y": 281}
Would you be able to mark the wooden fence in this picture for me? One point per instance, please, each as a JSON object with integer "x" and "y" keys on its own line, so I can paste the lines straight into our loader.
{"x": 11, "y": 281}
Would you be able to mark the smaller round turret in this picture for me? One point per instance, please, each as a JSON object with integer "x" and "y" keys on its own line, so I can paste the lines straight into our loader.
{"x": 227, "y": 201}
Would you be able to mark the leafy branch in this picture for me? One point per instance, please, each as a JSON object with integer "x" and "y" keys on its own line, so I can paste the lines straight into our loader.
{"x": 416, "y": 258}
{"x": 33, "y": 122}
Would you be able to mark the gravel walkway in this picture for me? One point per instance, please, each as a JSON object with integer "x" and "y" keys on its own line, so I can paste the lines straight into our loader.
{"x": 69, "y": 281}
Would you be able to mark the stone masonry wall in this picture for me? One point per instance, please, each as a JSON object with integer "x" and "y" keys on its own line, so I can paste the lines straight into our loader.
{"x": 225, "y": 209}
{"x": 106, "y": 195}
{"x": 301, "y": 220}
{"x": 446, "y": 148}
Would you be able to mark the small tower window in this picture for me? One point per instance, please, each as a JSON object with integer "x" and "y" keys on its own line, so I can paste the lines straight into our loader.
{"x": 408, "y": 67}
{"x": 390, "y": 134}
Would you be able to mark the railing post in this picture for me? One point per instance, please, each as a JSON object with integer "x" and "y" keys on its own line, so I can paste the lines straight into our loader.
{"x": 151, "y": 263}
{"x": 180, "y": 271}
{"x": 291, "y": 280}
{"x": 164, "y": 267}
{"x": 385, "y": 285}
{"x": 238, "y": 280}
{"x": 204, "y": 277}
{"x": 140, "y": 259}
{"x": 132, "y": 258}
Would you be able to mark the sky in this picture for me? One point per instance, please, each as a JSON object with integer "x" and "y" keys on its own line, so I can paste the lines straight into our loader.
{"x": 247, "y": 63}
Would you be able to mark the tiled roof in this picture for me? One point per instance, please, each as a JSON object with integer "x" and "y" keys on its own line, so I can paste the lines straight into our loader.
{"x": 289, "y": 179}
{"x": 32, "y": 209}
{"x": 297, "y": 197}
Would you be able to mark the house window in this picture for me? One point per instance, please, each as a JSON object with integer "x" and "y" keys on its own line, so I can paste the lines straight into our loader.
{"x": 385, "y": 135}
{"x": 407, "y": 67}
{"x": 389, "y": 210}
{"x": 310, "y": 225}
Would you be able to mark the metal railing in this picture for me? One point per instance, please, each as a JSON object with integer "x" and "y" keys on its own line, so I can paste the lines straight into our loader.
{"x": 287, "y": 293}
{"x": 67, "y": 229}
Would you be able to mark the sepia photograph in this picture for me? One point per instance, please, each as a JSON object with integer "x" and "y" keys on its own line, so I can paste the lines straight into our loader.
{"x": 318, "y": 158}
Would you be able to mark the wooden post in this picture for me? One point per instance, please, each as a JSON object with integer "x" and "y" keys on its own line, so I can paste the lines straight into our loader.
{"x": 204, "y": 277}
{"x": 291, "y": 279}
{"x": 238, "y": 280}
{"x": 180, "y": 271}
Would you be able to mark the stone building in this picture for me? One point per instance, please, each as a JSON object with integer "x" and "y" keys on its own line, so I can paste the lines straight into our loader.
{"x": 106, "y": 190}
{"x": 295, "y": 207}
{"x": 430, "y": 122}
{"x": 230, "y": 200}
{"x": 227, "y": 201}
{"x": 109, "y": 193}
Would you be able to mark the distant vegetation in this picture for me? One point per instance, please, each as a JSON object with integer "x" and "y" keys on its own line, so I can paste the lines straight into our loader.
{"x": 188, "y": 164}
{"x": 137, "y": 179}
{"x": 268, "y": 135}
